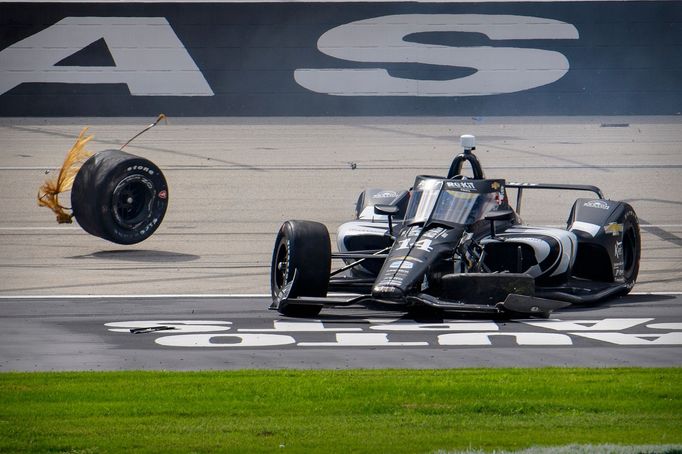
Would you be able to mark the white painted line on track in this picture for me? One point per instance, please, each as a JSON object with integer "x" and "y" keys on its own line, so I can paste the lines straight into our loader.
{"x": 215, "y": 295}
{"x": 171, "y": 295}
{"x": 38, "y": 228}
{"x": 42, "y": 169}
{"x": 660, "y": 226}
{"x": 655, "y": 293}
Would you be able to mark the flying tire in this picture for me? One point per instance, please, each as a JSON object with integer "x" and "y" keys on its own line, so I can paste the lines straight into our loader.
{"x": 119, "y": 197}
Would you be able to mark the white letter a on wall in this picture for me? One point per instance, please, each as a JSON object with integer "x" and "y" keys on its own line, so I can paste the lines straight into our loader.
{"x": 149, "y": 58}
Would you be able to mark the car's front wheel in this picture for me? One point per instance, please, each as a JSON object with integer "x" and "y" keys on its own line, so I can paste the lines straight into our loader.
{"x": 302, "y": 260}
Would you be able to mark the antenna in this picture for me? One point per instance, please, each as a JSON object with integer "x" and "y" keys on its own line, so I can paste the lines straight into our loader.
{"x": 468, "y": 142}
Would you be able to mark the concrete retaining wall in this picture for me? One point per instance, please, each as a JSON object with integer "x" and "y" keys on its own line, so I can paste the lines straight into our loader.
{"x": 317, "y": 59}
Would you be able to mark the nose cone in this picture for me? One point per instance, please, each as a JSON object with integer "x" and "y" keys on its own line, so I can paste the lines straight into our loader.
{"x": 388, "y": 292}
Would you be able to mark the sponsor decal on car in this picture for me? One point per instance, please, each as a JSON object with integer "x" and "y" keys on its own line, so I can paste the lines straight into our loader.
{"x": 402, "y": 264}
{"x": 614, "y": 229}
{"x": 437, "y": 232}
{"x": 587, "y": 227}
{"x": 602, "y": 205}
{"x": 385, "y": 195}
{"x": 461, "y": 185}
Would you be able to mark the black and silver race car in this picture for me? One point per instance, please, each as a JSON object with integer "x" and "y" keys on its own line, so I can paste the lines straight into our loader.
{"x": 454, "y": 243}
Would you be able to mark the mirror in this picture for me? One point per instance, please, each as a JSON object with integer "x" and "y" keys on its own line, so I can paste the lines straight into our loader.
{"x": 500, "y": 215}
{"x": 386, "y": 210}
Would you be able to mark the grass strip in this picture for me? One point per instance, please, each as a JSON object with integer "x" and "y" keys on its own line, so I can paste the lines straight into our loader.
{"x": 339, "y": 411}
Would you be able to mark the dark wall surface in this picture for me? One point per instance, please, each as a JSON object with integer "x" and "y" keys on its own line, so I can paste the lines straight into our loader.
{"x": 310, "y": 59}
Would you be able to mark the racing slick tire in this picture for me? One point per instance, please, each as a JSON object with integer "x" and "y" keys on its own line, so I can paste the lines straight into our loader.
{"x": 632, "y": 250}
{"x": 119, "y": 197}
{"x": 303, "y": 254}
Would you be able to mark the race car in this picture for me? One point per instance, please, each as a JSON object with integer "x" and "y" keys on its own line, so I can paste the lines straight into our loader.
{"x": 454, "y": 243}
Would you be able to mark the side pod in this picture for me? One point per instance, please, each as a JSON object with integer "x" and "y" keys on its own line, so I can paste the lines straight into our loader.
{"x": 609, "y": 244}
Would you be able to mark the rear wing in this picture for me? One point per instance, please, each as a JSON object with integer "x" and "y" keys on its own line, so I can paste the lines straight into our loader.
{"x": 571, "y": 187}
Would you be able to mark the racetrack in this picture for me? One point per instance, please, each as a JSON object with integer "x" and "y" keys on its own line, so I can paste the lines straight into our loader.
{"x": 191, "y": 333}
{"x": 233, "y": 181}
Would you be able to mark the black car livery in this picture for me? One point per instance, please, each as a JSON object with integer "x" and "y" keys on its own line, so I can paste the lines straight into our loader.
{"x": 455, "y": 243}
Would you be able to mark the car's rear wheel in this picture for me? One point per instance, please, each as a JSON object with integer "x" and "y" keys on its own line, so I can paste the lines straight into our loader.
{"x": 302, "y": 259}
{"x": 631, "y": 250}
{"x": 119, "y": 197}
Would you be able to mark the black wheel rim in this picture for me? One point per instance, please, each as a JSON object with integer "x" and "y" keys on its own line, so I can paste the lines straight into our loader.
{"x": 281, "y": 266}
{"x": 132, "y": 198}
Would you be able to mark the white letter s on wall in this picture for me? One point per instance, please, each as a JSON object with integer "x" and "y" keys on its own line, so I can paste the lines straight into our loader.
{"x": 381, "y": 40}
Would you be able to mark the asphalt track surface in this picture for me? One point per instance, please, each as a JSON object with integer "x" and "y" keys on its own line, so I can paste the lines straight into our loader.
{"x": 193, "y": 333}
{"x": 233, "y": 181}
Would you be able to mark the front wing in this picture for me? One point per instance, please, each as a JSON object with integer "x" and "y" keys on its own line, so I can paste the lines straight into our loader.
{"x": 524, "y": 304}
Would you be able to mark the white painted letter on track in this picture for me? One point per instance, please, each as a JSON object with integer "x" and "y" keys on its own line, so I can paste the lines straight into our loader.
{"x": 376, "y": 333}
{"x": 362, "y": 340}
{"x": 607, "y": 324}
{"x": 457, "y": 326}
{"x": 520, "y": 338}
{"x": 312, "y": 326}
{"x": 652, "y": 340}
{"x": 226, "y": 340}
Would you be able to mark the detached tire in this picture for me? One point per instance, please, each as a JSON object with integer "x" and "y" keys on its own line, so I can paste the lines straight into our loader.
{"x": 303, "y": 248}
{"x": 119, "y": 197}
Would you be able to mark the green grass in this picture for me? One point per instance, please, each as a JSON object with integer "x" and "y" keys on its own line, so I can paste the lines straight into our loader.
{"x": 338, "y": 411}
